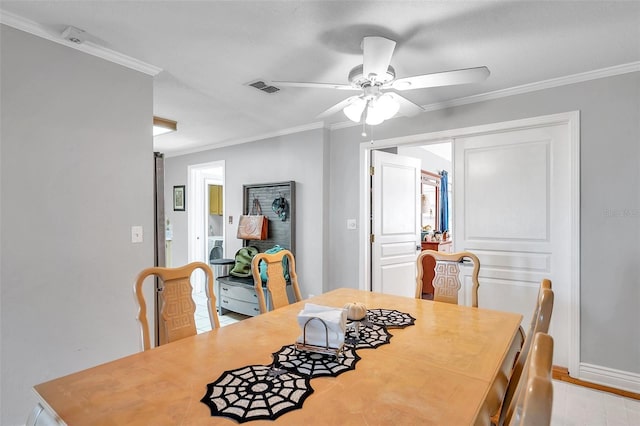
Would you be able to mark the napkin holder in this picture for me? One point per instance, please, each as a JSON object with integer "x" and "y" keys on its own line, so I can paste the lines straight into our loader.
{"x": 323, "y": 329}
{"x": 326, "y": 349}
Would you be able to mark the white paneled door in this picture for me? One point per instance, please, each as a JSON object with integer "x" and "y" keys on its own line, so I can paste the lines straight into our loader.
{"x": 395, "y": 209}
{"x": 512, "y": 208}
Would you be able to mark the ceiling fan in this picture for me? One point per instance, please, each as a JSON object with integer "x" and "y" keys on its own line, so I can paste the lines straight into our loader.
{"x": 377, "y": 82}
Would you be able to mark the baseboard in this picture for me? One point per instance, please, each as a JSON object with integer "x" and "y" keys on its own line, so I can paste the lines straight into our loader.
{"x": 602, "y": 379}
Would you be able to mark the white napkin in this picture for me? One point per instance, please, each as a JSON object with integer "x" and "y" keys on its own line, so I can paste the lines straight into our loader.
{"x": 334, "y": 318}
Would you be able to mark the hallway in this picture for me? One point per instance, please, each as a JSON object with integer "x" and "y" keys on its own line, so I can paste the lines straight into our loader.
{"x": 202, "y": 315}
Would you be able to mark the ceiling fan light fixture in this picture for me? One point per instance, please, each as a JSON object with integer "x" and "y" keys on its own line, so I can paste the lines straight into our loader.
{"x": 373, "y": 111}
{"x": 354, "y": 110}
{"x": 375, "y": 115}
{"x": 387, "y": 105}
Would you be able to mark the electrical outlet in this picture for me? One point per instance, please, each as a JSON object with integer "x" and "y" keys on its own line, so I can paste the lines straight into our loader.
{"x": 230, "y": 220}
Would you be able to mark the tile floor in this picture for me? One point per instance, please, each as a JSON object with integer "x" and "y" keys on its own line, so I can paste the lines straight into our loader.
{"x": 202, "y": 314}
{"x": 579, "y": 406}
{"x": 572, "y": 405}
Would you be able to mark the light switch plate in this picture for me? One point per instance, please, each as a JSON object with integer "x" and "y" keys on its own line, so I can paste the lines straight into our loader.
{"x": 136, "y": 234}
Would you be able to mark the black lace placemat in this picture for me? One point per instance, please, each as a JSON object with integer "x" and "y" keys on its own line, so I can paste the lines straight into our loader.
{"x": 256, "y": 392}
{"x": 314, "y": 364}
{"x": 389, "y": 318}
{"x": 367, "y": 336}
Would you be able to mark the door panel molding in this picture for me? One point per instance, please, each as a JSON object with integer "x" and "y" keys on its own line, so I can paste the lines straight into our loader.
{"x": 523, "y": 261}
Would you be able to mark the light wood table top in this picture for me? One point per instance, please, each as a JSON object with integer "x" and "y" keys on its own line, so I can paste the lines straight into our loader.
{"x": 437, "y": 371}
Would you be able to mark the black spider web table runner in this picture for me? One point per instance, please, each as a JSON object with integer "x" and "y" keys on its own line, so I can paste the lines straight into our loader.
{"x": 265, "y": 392}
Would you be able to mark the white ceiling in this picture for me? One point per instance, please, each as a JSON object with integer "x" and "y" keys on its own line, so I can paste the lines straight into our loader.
{"x": 209, "y": 50}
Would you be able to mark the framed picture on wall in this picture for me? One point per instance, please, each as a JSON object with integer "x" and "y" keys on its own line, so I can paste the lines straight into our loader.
{"x": 179, "y": 198}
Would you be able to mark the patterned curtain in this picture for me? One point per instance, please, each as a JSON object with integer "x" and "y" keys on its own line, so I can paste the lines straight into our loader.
{"x": 444, "y": 201}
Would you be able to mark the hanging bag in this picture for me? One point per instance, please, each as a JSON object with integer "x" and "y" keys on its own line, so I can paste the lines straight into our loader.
{"x": 243, "y": 258}
{"x": 254, "y": 225}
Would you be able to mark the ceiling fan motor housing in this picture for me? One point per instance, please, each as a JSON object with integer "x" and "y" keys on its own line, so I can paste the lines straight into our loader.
{"x": 359, "y": 80}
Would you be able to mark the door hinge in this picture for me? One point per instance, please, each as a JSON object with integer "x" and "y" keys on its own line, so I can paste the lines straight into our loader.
{"x": 372, "y": 238}
{"x": 371, "y": 170}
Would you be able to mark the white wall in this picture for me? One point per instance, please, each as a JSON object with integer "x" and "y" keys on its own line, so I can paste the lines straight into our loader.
{"x": 300, "y": 157}
{"x": 76, "y": 174}
{"x": 430, "y": 162}
{"x": 610, "y": 201}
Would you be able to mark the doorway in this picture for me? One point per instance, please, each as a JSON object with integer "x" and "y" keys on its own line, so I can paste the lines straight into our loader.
{"x": 517, "y": 254}
{"x": 199, "y": 224}
{"x": 405, "y": 217}
{"x": 435, "y": 158}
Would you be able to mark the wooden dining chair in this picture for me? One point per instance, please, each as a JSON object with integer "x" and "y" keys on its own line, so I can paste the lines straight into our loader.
{"x": 446, "y": 279}
{"x": 534, "y": 397}
{"x": 177, "y": 308}
{"x": 544, "y": 284}
{"x": 276, "y": 283}
{"x": 491, "y": 409}
{"x": 539, "y": 324}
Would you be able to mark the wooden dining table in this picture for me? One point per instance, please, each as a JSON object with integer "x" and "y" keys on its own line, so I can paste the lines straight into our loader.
{"x": 437, "y": 371}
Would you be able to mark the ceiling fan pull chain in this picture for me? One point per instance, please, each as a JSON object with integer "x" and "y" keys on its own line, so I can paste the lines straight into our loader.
{"x": 365, "y": 111}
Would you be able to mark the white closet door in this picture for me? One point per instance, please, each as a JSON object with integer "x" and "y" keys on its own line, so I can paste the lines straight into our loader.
{"x": 512, "y": 206}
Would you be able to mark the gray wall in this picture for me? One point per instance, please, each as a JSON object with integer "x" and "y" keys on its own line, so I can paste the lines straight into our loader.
{"x": 300, "y": 157}
{"x": 76, "y": 174}
{"x": 610, "y": 200}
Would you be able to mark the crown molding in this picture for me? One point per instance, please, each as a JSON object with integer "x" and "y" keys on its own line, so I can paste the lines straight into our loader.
{"x": 525, "y": 88}
{"x": 31, "y": 27}
{"x": 283, "y": 132}
{"x": 540, "y": 85}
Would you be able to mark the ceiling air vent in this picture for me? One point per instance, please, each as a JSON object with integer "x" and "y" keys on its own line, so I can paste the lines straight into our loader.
{"x": 261, "y": 85}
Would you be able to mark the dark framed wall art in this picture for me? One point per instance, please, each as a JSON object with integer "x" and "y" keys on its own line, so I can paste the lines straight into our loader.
{"x": 179, "y": 198}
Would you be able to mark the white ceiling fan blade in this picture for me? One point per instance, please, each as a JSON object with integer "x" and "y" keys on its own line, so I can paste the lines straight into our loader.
{"x": 377, "y": 53}
{"x": 338, "y": 107}
{"x": 407, "y": 108}
{"x": 445, "y": 78}
{"x": 314, "y": 85}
